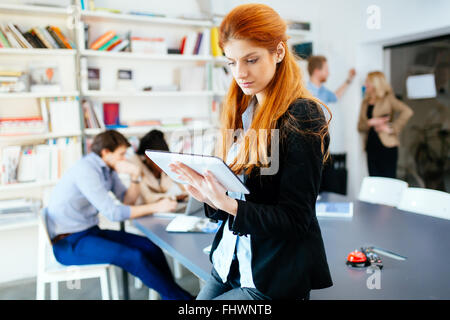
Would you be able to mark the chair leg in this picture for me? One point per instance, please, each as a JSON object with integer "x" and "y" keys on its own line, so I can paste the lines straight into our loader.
{"x": 54, "y": 294}
{"x": 201, "y": 283}
{"x": 153, "y": 294}
{"x": 137, "y": 283}
{"x": 114, "y": 285}
{"x": 104, "y": 285}
{"x": 40, "y": 289}
{"x": 177, "y": 269}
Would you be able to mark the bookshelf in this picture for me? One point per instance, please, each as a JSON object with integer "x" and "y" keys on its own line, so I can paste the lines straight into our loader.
{"x": 27, "y": 103}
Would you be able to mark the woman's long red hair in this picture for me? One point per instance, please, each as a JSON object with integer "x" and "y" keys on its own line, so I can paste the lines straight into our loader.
{"x": 261, "y": 25}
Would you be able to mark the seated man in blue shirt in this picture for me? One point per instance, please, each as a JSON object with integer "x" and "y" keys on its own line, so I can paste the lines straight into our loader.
{"x": 83, "y": 193}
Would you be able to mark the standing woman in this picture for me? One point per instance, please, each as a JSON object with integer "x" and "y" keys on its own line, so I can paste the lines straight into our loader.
{"x": 381, "y": 119}
{"x": 269, "y": 245}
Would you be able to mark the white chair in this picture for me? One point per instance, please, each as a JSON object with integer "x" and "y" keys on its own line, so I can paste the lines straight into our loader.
{"x": 51, "y": 271}
{"x": 382, "y": 190}
{"x": 426, "y": 201}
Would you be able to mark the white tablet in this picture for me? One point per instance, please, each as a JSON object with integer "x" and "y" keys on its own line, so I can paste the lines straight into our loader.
{"x": 199, "y": 163}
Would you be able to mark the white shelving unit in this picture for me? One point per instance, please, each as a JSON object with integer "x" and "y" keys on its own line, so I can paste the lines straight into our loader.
{"x": 21, "y": 9}
{"x": 141, "y": 104}
{"x": 25, "y": 103}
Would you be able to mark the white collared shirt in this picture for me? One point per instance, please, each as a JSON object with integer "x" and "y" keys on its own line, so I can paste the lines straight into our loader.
{"x": 224, "y": 254}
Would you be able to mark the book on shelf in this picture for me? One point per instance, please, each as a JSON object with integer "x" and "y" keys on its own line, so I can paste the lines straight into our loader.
{"x": 13, "y": 81}
{"x": 215, "y": 48}
{"x": 19, "y": 36}
{"x": 205, "y": 47}
{"x": 110, "y": 43}
{"x": 60, "y": 38}
{"x": 3, "y": 40}
{"x": 22, "y": 126}
{"x": 111, "y": 113}
{"x": 10, "y": 156}
{"x": 334, "y": 209}
{"x": 64, "y": 115}
{"x": 149, "y": 45}
{"x": 103, "y": 39}
{"x": 122, "y": 46}
{"x": 10, "y": 36}
{"x": 189, "y": 44}
{"x": 142, "y": 123}
{"x": 93, "y": 117}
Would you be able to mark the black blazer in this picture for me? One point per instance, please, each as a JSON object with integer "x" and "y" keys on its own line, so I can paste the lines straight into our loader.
{"x": 288, "y": 255}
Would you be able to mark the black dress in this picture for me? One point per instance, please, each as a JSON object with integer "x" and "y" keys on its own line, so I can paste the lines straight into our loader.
{"x": 382, "y": 161}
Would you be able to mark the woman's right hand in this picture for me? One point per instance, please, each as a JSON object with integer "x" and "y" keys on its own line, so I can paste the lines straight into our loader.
{"x": 375, "y": 122}
{"x": 165, "y": 205}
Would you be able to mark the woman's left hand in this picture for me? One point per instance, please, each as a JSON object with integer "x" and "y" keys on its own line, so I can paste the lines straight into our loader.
{"x": 206, "y": 185}
{"x": 384, "y": 128}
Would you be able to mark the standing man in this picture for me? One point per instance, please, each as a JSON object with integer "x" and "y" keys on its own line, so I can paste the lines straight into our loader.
{"x": 333, "y": 179}
{"x": 318, "y": 75}
{"x": 83, "y": 193}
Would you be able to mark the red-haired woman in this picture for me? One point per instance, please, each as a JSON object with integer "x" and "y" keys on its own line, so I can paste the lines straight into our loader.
{"x": 269, "y": 245}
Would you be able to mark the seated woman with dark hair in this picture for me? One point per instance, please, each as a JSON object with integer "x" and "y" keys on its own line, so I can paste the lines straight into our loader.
{"x": 155, "y": 185}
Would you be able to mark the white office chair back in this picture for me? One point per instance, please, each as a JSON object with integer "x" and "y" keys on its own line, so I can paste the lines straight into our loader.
{"x": 45, "y": 250}
{"x": 382, "y": 190}
{"x": 426, "y": 201}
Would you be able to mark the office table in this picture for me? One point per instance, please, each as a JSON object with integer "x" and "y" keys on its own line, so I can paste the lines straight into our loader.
{"x": 424, "y": 240}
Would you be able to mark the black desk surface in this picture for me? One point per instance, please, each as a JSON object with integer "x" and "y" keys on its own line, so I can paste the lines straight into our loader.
{"x": 424, "y": 240}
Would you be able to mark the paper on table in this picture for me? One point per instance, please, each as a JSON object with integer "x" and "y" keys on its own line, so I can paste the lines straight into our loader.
{"x": 192, "y": 224}
{"x": 334, "y": 209}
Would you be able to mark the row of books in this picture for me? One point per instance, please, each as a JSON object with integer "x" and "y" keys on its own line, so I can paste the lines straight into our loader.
{"x": 13, "y": 81}
{"x": 110, "y": 41}
{"x": 57, "y": 116}
{"x": 50, "y": 37}
{"x": 195, "y": 43}
{"x": 38, "y": 163}
{"x": 93, "y": 115}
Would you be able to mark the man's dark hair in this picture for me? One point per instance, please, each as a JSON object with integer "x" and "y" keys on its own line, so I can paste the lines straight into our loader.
{"x": 152, "y": 140}
{"x": 315, "y": 62}
{"x": 110, "y": 140}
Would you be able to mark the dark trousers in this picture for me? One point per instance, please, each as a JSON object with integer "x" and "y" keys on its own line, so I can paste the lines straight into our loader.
{"x": 383, "y": 163}
{"x": 137, "y": 255}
